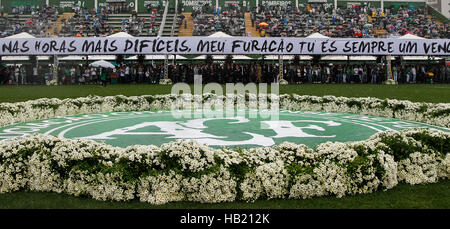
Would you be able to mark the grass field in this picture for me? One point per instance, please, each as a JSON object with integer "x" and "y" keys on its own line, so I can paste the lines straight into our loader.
{"x": 403, "y": 196}
{"x": 430, "y": 196}
{"x": 434, "y": 93}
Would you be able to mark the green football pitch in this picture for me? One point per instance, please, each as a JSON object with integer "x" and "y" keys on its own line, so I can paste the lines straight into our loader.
{"x": 434, "y": 93}
{"x": 402, "y": 196}
{"x": 230, "y": 128}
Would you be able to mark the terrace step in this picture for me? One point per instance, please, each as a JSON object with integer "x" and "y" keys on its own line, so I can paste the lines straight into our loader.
{"x": 248, "y": 26}
{"x": 187, "y": 32}
{"x": 58, "y": 22}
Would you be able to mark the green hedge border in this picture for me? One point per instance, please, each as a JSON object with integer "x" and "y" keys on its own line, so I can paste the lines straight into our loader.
{"x": 187, "y": 171}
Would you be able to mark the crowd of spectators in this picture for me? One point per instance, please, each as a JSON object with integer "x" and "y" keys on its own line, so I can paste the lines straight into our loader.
{"x": 361, "y": 21}
{"x": 38, "y": 21}
{"x": 140, "y": 26}
{"x": 261, "y": 72}
{"x": 96, "y": 23}
{"x": 118, "y": 8}
{"x": 358, "y": 20}
{"x": 23, "y": 9}
{"x": 209, "y": 20}
{"x": 86, "y": 23}
{"x": 153, "y": 7}
{"x": 354, "y": 21}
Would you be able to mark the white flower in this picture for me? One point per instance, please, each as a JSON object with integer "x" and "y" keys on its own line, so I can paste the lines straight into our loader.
{"x": 189, "y": 171}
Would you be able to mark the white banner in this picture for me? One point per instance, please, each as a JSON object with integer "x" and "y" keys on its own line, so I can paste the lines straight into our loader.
{"x": 221, "y": 46}
{"x": 317, "y": 1}
{"x": 276, "y": 2}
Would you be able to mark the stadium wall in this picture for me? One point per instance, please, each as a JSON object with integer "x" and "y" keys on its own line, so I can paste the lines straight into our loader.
{"x": 377, "y": 3}
{"x": 438, "y": 15}
{"x": 9, "y": 4}
{"x": 142, "y": 5}
{"x": 66, "y": 5}
{"x": 189, "y": 5}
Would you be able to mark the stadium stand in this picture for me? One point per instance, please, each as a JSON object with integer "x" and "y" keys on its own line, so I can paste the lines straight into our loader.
{"x": 356, "y": 21}
{"x": 249, "y": 27}
{"x": 105, "y": 22}
{"x": 187, "y": 25}
{"x": 230, "y": 20}
{"x": 360, "y": 21}
{"x": 363, "y": 20}
{"x": 33, "y": 20}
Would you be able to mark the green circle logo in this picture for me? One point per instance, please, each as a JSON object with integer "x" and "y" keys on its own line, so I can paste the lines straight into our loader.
{"x": 243, "y": 128}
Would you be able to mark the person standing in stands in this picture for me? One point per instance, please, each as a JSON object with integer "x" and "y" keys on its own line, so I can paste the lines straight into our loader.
{"x": 23, "y": 75}
{"x": 413, "y": 74}
{"x": 153, "y": 76}
{"x": 121, "y": 75}
{"x": 140, "y": 74}
{"x": 127, "y": 74}
{"x": 339, "y": 72}
{"x": 16, "y": 75}
{"x": 113, "y": 76}
{"x": 67, "y": 75}
{"x": 361, "y": 74}
{"x": 2, "y": 75}
{"x": 348, "y": 75}
{"x": 103, "y": 76}
{"x": 72, "y": 75}
{"x": 423, "y": 73}
{"x": 395, "y": 73}
{"x": 355, "y": 74}
{"x": 147, "y": 75}
{"x": 327, "y": 78}
{"x": 82, "y": 79}
{"x": 374, "y": 75}
{"x": 86, "y": 75}
{"x": 408, "y": 75}
{"x": 258, "y": 73}
{"x": 93, "y": 79}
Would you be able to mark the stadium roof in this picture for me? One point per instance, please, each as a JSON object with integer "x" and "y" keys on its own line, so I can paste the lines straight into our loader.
{"x": 157, "y": 57}
{"x": 21, "y": 35}
{"x": 424, "y": 58}
{"x": 334, "y": 57}
{"x": 223, "y": 57}
{"x": 219, "y": 34}
{"x": 317, "y": 35}
{"x": 121, "y": 34}
{"x": 410, "y": 36}
{"x": 22, "y": 58}
{"x": 90, "y": 57}
{"x": 361, "y": 58}
{"x": 287, "y": 57}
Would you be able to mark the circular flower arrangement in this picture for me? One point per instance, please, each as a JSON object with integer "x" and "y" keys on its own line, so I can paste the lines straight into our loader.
{"x": 188, "y": 171}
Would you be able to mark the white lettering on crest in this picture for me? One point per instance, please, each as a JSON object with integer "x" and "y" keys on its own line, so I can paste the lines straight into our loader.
{"x": 192, "y": 129}
{"x": 287, "y": 129}
{"x": 167, "y": 128}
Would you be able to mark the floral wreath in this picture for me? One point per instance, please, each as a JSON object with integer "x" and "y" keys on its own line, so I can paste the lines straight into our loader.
{"x": 188, "y": 171}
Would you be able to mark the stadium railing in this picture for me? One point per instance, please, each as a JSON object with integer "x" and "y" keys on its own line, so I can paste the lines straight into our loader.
{"x": 433, "y": 12}
{"x": 163, "y": 22}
